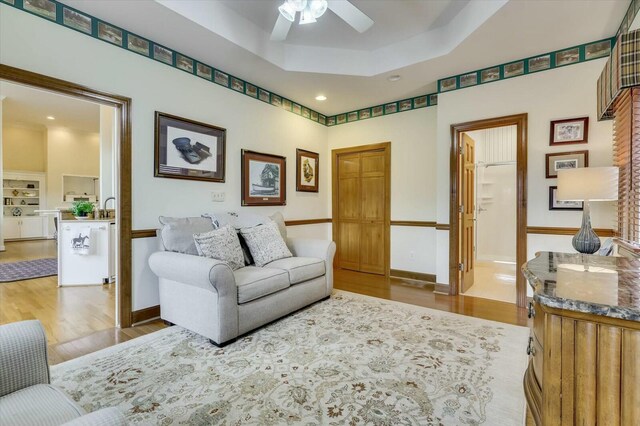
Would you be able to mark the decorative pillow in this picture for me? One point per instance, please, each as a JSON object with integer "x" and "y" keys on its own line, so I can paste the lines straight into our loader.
{"x": 176, "y": 233}
{"x": 279, "y": 220}
{"x": 265, "y": 243}
{"x": 222, "y": 244}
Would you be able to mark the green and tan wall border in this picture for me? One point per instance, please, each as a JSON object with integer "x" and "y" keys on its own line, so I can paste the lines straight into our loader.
{"x": 69, "y": 17}
{"x": 61, "y": 14}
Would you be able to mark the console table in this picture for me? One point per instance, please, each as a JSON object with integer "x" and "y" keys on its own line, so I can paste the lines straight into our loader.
{"x": 584, "y": 347}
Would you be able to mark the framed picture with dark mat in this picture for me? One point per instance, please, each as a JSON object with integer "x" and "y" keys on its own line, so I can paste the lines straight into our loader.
{"x": 187, "y": 149}
{"x": 307, "y": 170}
{"x": 264, "y": 180}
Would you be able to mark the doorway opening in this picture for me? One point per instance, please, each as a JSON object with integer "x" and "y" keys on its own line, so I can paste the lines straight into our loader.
{"x": 361, "y": 204}
{"x": 57, "y": 192}
{"x": 488, "y": 208}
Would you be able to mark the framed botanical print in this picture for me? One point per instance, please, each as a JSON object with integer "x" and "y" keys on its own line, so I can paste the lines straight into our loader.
{"x": 264, "y": 180}
{"x": 565, "y": 160}
{"x": 567, "y": 132}
{"x": 555, "y": 204}
{"x": 307, "y": 163}
{"x": 187, "y": 149}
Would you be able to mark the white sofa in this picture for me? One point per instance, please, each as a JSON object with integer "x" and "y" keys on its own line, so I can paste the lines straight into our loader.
{"x": 206, "y": 296}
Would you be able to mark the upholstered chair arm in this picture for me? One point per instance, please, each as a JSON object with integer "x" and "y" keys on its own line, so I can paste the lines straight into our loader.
{"x": 323, "y": 249}
{"x": 23, "y": 356}
{"x": 209, "y": 274}
{"x": 105, "y": 417}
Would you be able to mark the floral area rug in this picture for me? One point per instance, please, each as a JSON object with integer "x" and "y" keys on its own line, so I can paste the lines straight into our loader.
{"x": 350, "y": 360}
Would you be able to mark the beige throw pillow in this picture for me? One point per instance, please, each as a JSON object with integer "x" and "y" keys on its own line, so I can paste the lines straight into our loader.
{"x": 221, "y": 244}
{"x": 265, "y": 243}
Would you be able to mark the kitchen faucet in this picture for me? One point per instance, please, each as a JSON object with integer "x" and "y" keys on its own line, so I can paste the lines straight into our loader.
{"x": 104, "y": 204}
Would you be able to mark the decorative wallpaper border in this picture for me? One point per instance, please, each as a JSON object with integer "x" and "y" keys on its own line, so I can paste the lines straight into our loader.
{"x": 632, "y": 11}
{"x": 389, "y": 108}
{"x": 69, "y": 17}
{"x": 543, "y": 62}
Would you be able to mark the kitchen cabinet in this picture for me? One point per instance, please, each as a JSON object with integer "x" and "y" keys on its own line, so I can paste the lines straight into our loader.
{"x": 15, "y": 228}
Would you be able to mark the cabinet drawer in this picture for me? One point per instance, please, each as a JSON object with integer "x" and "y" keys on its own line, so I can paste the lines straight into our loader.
{"x": 537, "y": 315}
{"x": 536, "y": 354}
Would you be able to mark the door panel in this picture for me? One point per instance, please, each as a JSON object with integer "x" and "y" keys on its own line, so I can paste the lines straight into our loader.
{"x": 349, "y": 245}
{"x": 372, "y": 248}
{"x": 361, "y": 210}
{"x": 468, "y": 220}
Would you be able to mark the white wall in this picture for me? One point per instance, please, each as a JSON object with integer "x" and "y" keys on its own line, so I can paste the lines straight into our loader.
{"x": 413, "y": 179}
{"x": 24, "y": 147}
{"x": 69, "y": 152}
{"x": 107, "y": 150}
{"x": 560, "y": 93}
{"x": 58, "y": 52}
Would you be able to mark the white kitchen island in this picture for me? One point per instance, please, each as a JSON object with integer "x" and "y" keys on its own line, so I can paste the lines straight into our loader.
{"x": 97, "y": 265}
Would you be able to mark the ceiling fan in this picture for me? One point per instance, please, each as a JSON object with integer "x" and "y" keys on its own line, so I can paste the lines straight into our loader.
{"x": 310, "y": 10}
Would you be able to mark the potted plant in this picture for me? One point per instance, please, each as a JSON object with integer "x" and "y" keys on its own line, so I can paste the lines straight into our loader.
{"x": 81, "y": 209}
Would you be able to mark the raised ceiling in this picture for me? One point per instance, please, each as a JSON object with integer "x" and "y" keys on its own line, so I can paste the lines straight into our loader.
{"x": 420, "y": 40}
{"x": 29, "y": 107}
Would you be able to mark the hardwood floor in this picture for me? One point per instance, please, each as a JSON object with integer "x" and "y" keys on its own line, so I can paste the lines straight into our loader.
{"x": 80, "y": 320}
{"x": 417, "y": 293}
{"x": 67, "y": 313}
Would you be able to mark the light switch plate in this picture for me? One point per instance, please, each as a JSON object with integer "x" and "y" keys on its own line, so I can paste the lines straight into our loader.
{"x": 217, "y": 196}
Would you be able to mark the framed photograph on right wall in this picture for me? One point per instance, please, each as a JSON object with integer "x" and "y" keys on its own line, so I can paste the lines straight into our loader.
{"x": 307, "y": 170}
{"x": 565, "y": 160}
{"x": 555, "y": 204}
{"x": 570, "y": 131}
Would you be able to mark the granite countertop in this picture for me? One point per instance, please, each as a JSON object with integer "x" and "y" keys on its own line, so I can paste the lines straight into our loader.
{"x": 598, "y": 285}
{"x": 74, "y": 220}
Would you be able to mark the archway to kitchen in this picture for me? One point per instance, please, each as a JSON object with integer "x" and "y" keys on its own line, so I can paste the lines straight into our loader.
{"x": 62, "y": 147}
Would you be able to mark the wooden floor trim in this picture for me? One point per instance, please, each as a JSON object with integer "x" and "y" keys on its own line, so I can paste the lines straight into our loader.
{"x": 143, "y": 233}
{"x": 307, "y": 221}
{"x": 145, "y": 314}
{"x": 548, "y": 230}
{"x": 419, "y": 276}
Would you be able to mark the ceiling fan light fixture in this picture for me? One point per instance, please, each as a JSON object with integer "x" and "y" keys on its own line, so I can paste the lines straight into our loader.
{"x": 287, "y": 11}
{"x": 318, "y": 7}
{"x": 297, "y": 5}
{"x": 306, "y": 17}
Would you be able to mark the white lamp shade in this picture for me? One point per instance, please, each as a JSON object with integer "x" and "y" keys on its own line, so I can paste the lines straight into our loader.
{"x": 588, "y": 184}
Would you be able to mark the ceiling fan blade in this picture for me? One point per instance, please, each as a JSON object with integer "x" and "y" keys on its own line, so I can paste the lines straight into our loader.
{"x": 350, "y": 14}
{"x": 280, "y": 29}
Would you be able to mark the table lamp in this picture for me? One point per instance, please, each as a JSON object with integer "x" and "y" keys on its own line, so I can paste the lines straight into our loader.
{"x": 587, "y": 184}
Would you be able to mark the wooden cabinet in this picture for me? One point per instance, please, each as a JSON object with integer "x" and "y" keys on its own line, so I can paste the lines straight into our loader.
{"x": 584, "y": 369}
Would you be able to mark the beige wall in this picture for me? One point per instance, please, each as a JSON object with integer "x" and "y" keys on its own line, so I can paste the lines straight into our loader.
{"x": 24, "y": 148}
{"x": 70, "y": 152}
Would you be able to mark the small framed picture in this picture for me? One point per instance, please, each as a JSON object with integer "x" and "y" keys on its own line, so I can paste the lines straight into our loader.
{"x": 221, "y": 78}
{"x": 513, "y": 69}
{"x": 470, "y": 79}
{"x": 263, "y": 179}
{"x": 420, "y": 102}
{"x": 391, "y": 108}
{"x": 352, "y": 116}
{"x": 187, "y": 149}
{"x": 491, "y": 74}
{"x": 376, "y": 111}
{"x": 162, "y": 54}
{"x": 568, "y": 132}
{"x": 237, "y": 85}
{"x": 184, "y": 63}
{"x": 331, "y": 121}
{"x": 203, "y": 71}
{"x": 251, "y": 90}
{"x": 597, "y": 50}
{"x": 307, "y": 163}
{"x": 555, "y": 204}
{"x": 565, "y": 160}
{"x": 137, "y": 44}
{"x": 77, "y": 20}
{"x": 44, "y": 8}
{"x": 108, "y": 33}
{"x": 566, "y": 57}
{"x": 540, "y": 63}
{"x": 448, "y": 84}
{"x": 405, "y": 105}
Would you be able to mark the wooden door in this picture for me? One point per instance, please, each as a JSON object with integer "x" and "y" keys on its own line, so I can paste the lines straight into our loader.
{"x": 468, "y": 207}
{"x": 361, "y": 211}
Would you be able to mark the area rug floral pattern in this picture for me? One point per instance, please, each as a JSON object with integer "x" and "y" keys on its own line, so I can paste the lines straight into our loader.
{"x": 350, "y": 360}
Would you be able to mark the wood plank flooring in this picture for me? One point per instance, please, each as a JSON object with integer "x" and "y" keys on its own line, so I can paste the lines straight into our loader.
{"x": 67, "y": 313}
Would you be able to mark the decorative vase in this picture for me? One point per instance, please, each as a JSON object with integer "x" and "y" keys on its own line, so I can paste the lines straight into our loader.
{"x": 586, "y": 241}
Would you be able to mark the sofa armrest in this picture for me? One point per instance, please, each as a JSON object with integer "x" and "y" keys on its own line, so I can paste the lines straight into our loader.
{"x": 105, "y": 417}
{"x": 23, "y": 356}
{"x": 323, "y": 249}
{"x": 209, "y": 274}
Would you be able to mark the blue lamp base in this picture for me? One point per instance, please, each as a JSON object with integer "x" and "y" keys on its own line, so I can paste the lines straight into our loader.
{"x": 586, "y": 241}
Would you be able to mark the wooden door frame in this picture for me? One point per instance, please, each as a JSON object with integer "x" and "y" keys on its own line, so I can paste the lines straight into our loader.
{"x": 520, "y": 121}
{"x": 123, "y": 206}
{"x": 386, "y": 147}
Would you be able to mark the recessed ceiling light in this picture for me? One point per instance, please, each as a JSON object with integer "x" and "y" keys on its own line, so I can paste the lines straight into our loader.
{"x": 50, "y": 117}
{"x": 394, "y": 77}
{"x": 321, "y": 98}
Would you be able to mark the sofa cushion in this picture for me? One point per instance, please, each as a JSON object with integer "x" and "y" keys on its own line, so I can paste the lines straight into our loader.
{"x": 38, "y": 405}
{"x": 254, "y": 283}
{"x": 177, "y": 233}
{"x": 265, "y": 243}
{"x": 222, "y": 244}
{"x": 279, "y": 220}
{"x": 300, "y": 269}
